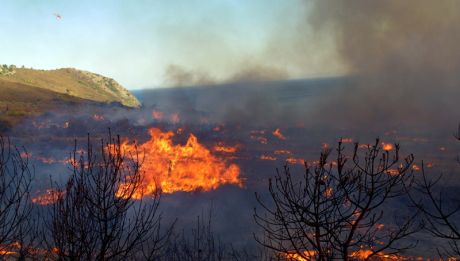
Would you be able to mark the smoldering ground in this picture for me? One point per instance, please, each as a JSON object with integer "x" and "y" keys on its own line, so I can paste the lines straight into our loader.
{"x": 221, "y": 113}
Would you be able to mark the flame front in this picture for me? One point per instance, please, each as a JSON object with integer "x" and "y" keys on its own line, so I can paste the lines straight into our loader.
{"x": 361, "y": 254}
{"x": 50, "y": 196}
{"x": 173, "y": 168}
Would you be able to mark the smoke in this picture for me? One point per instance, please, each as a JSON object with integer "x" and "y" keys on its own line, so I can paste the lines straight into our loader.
{"x": 405, "y": 56}
{"x": 259, "y": 72}
{"x": 176, "y": 75}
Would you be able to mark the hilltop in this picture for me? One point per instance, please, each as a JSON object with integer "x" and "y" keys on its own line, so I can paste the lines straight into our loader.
{"x": 28, "y": 92}
{"x": 73, "y": 82}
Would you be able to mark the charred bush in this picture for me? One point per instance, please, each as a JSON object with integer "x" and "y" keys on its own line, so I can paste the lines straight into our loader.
{"x": 96, "y": 217}
{"x": 441, "y": 210}
{"x": 16, "y": 226}
{"x": 336, "y": 210}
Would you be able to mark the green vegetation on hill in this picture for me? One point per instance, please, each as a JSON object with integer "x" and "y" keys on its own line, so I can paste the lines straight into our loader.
{"x": 29, "y": 92}
{"x": 73, "y": 82}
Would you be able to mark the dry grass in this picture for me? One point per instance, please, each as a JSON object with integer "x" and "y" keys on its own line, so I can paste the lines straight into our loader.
{"x": 30, "y": 92}
{"x": 72, "y": 82}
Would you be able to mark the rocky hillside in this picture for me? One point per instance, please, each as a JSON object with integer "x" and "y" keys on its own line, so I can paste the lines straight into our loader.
{"x": 72, "y": 82}
{"x": 29, "y": 92}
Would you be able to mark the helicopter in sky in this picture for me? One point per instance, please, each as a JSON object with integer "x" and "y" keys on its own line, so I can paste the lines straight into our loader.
{"x": 58, "y": 16}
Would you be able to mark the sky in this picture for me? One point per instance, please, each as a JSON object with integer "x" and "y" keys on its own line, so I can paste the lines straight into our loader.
{"x": 153, "y": 43}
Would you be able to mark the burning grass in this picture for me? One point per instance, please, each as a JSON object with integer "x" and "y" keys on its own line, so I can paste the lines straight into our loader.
{"x": 175, "y": 167}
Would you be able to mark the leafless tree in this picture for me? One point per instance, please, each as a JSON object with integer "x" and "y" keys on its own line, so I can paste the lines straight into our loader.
{"x": 202, "y": 244}
{"x": 16, "y": 229}
{"x": 441, "y": 211}
{"x": 97, "y": 217}
{"x": 337, "y": 209}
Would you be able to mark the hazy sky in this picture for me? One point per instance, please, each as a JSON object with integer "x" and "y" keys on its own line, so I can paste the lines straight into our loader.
{"x": 136, "y": 42}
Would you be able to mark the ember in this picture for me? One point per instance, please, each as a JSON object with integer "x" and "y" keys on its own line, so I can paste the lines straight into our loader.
{"x": 277, "y": 133}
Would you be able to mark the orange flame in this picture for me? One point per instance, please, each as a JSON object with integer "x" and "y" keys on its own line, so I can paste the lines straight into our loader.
{"x": 267, "y": 157}
{"x": 295, "y": 161}
{"x": 48, "y": 198}
{"x": 173, "y": 168}
{"x": 277, "y": 133}
{"x": 220, "y": 147}
{"x": 393, "y": 172}
{"x": 287, "y": 152}
{"x": 347, "y": 140}
{"x": 380, "y": 226}
{"x": 329, "y": 192}
{"x": 387, "y": 146}
{"x": 362, "y": 254}
{"x": 308, "y": 255}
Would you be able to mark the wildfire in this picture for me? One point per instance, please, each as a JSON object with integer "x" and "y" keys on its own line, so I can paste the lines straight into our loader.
{"x": 380, "y": 226}
{"x": 261, "y": 140}
{"x": 329, "y": 192}
{"x": 392, "y": 172}
{"x": 48, "y": 160}
{"x": 277, "y": 133}
{"x": 295, "y": 161}
{"x": 362, "y": 254}
{"x": 49, "y": 197}
{"x": 387, "y": 146}
{"x": 220, "y": 147}
{"x": 267, "y": 157}
{"x": 173, "y": 168}
{"x": 157, "y": 115}
{"x": 174, "y": 118}
{"x": 308, "y": 256}
{"x": 286, "y": 152}
{"x": 258, "y": 135}
{"x": 13, "y": 250}
{"x": 97, "y": 117}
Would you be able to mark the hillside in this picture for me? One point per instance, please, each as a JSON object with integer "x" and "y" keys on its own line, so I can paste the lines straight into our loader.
{"x": 73, "y": 82}
{"x": 28, "y": 92}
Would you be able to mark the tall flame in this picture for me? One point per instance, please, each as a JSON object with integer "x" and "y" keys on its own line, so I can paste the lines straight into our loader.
{"x": 173, "y": 168}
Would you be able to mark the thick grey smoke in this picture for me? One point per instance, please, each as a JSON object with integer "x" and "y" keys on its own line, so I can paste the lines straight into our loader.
{"x": 176, "y": 75}
{"x": 405, "y": 56}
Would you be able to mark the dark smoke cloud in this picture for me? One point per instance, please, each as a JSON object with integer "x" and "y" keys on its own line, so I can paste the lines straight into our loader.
{"x": 176, "y": 75}
{"x": 405, "y": 56}
{"x": 258, "y": 72}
